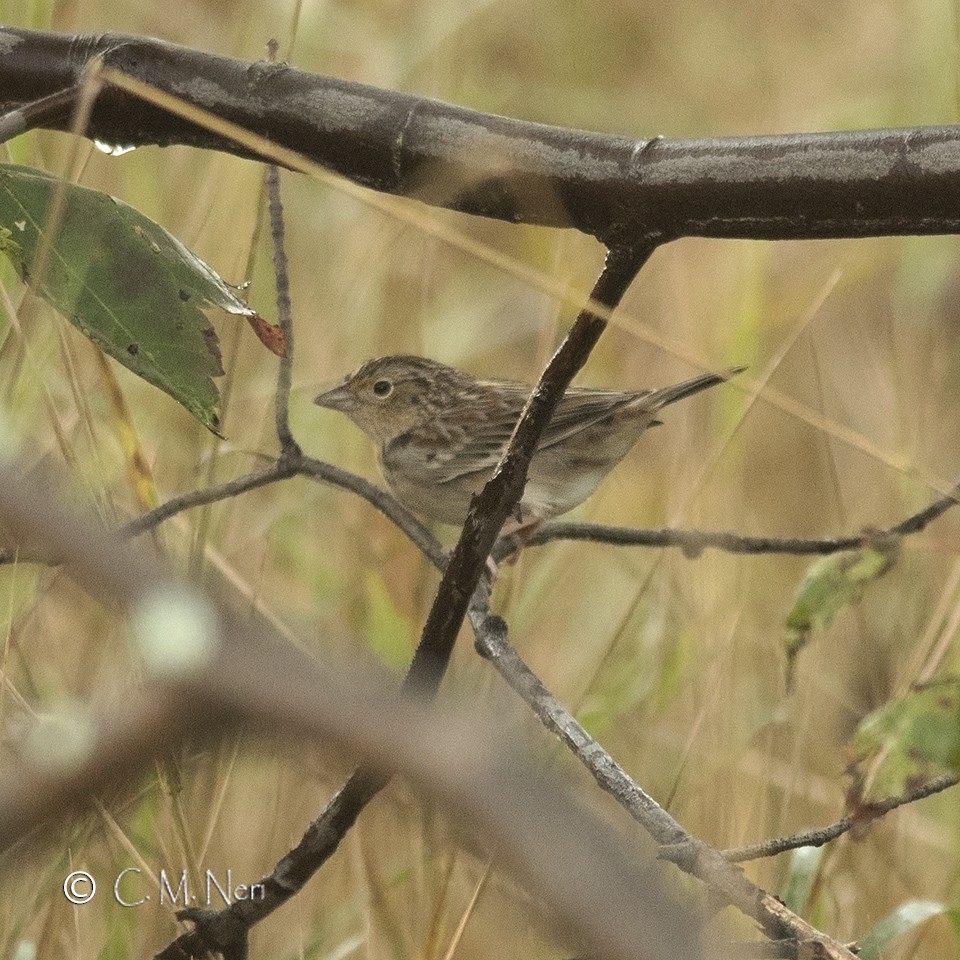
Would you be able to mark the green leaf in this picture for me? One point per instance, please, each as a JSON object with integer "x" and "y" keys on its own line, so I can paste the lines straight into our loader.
{"x": 906, "y": 743}
{"x": 830, "y": 584}
{"x": 121, "y": 279}
{"x": 906, "y": 917}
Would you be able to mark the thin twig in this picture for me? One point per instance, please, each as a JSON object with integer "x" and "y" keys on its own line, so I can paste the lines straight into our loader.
{"x": 690, "y": 854}
{"x": 288, "y": 446}
{"x": 195, "y": 498}
{"x": 823, "y": 835}
{"x": 47, "y": 110}
{"x": 292, "y": 465}
{"x": 694, "y": 542}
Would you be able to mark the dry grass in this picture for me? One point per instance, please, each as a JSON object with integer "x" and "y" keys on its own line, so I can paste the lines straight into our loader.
{"x": 676, "y": 663}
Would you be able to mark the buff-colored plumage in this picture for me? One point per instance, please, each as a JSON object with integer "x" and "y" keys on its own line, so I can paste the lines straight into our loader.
{"x": 440, "y": 432}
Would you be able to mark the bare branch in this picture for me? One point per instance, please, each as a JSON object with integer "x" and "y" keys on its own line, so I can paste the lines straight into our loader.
{"x": 694, "y": 542}
{"x": 676, "y": 845}
{"x": 288, "y": 446}
{"x": 290, "y": 466}
{"x": 196, "y": 498}
{"x": 55, "y": 107}
{"x": 823, "y": 835}
{"x": 503, "y": 491}
{"x": 271, "y": 686}
{"x": 855, "y": 184}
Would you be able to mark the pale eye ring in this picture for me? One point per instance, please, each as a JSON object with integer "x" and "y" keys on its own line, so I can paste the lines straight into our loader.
{"x": 382, "y": 388}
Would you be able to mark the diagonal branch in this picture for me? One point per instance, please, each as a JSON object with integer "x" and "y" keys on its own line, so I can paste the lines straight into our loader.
{"x": 823, "y": 835}
{"x": 503, "y": 491}
{"x": 689, "y": 853}
{"x": 205, "y": 673}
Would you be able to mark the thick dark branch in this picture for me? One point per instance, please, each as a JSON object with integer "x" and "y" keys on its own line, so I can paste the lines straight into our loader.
{"x": 853, "y": 184}
{"x": 503, "y": 491}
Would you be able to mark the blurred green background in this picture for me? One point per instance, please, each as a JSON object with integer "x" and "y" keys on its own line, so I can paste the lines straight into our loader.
{"x": 675, "y": 663}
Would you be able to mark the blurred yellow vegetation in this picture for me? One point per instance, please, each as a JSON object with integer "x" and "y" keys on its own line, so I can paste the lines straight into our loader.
{"x": 676, "y": 663}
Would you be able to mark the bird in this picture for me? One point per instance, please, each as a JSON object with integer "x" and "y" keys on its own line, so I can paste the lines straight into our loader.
{"x": 440, "y": 432}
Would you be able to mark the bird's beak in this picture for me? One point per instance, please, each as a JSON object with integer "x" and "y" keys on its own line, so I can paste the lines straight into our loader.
{"x": 337, "y": 398}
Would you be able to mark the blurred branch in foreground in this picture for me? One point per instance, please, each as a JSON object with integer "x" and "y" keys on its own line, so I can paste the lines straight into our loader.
{"x": 206, "y": 673}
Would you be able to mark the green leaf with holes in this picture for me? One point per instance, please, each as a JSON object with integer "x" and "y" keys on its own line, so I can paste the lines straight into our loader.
{"x": 121, "y": 279}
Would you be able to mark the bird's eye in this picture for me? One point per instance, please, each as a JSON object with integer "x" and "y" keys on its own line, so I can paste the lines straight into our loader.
{"x": 382, "y": 388}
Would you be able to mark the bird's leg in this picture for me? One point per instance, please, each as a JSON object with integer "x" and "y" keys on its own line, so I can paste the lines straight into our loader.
{"x": 519, "y": 531}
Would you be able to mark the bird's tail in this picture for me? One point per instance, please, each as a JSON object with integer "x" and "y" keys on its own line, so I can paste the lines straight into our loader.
{"x": 678, "y": 391}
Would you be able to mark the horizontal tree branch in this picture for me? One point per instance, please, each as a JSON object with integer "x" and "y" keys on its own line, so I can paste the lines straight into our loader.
{"x": 694, "y": 542}
{"x": 691, "y": 542}
{"x": 792, "y": 186}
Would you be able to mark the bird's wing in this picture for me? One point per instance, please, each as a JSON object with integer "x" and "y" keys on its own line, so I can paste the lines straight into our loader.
{"x": 582, "y": 408}
{"x": 491, "y": 424}
{"x": 578, "y": 409}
